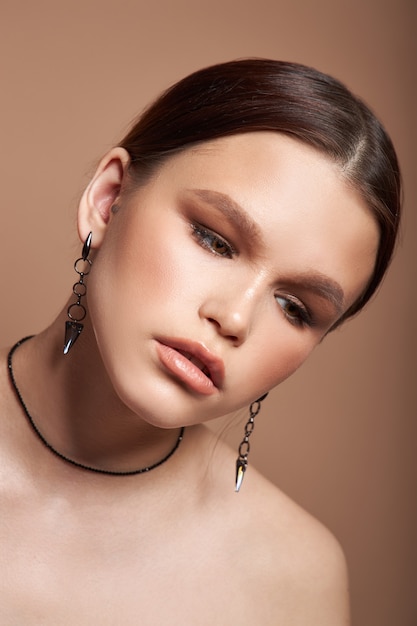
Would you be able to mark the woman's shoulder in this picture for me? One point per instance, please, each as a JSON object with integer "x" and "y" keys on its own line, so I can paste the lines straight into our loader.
{"x": 291, "y": 559}
{"x": 303, "y": 546}
{"x": 296, "y": 560}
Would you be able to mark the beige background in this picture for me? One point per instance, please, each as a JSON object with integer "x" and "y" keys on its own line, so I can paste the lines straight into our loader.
{"x": 339, "y": 437}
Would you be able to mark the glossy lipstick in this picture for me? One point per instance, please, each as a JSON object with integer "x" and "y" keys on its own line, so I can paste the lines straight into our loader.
{"x": 192, "y": 363}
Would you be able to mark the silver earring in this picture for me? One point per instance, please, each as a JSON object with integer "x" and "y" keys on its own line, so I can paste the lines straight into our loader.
{"x": 242, "y": 459}
{"x": 77, "y": 311}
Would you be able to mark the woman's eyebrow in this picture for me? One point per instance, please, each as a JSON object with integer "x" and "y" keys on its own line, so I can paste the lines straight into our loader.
{"x": 233, "y": 212}
{"x": 318, "y": 283}
{"x": 323, "y": 286}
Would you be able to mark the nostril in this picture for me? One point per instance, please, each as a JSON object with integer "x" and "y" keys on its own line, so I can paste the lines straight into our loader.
{"x": 223, "y": 331}
{"x": 229, "y": 319}
{"x": 213, "y": 321}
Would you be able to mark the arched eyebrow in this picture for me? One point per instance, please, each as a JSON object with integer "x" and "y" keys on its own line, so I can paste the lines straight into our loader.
{"x": 312, "y": 281}
{"x": 233, "y": 212}
{"x": 323, "y": 286}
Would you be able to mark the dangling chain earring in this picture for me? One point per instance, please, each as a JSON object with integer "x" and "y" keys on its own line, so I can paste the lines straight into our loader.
{"x": 77, "y": 311}
{"x": 242, "y": 459}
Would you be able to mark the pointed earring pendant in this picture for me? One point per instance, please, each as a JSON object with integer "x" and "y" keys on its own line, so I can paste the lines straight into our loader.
{"x": 72, "y": 332}
{"x": 240, "y": 472}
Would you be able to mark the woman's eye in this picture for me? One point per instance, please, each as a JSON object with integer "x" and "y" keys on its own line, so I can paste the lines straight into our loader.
{"x": 214, "y": 243}
{"x": 294, "y": 311}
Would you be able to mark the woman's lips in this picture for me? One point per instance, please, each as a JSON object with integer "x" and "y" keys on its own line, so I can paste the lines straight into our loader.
{"x": 192, "y": 363}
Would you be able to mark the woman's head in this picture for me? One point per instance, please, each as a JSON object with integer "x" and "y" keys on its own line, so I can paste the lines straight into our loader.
{"x": 265, "y": 95}
{"x": 214, "y": 281}
{"x": 259, "y": 203}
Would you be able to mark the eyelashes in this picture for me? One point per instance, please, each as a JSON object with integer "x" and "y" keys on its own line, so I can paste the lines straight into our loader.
{"x": 293, "y": 309}
{"x": 212, "y": 241}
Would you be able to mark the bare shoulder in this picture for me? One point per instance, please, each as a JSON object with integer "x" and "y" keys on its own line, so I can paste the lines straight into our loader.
{"x": 301, "y": 563}
{"x": 290, "y": 563}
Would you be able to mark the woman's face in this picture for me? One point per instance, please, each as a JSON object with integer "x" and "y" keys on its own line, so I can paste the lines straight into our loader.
{"x": 216, "y": 280}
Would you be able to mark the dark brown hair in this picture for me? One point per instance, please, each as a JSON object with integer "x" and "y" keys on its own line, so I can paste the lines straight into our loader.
{"x": 265, "y": 95}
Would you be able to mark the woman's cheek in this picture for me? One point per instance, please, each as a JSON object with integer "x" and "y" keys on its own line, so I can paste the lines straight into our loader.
{"x": 282, "y": 357}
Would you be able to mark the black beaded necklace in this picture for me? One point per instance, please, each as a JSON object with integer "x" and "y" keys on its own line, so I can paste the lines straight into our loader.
{"x": 50, "y": 447}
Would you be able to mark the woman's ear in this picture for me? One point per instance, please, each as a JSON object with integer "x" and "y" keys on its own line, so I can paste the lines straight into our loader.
{"x": 100, "y": 195}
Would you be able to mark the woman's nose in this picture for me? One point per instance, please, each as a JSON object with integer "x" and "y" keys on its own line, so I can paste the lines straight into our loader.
{"x": 231, "y": 311}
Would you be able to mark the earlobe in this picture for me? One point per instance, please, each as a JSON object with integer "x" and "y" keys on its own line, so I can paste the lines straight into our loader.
{"x": 96, "y": 202}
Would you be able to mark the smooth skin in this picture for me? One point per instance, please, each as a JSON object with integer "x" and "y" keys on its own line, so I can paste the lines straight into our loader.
{"x": 250, "y": 247}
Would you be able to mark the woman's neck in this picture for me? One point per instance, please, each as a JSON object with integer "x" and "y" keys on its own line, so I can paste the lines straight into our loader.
{"x": 73, "y": 404}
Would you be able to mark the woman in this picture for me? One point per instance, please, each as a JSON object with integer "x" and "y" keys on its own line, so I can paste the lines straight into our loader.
{"x": 252, "y": 208}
